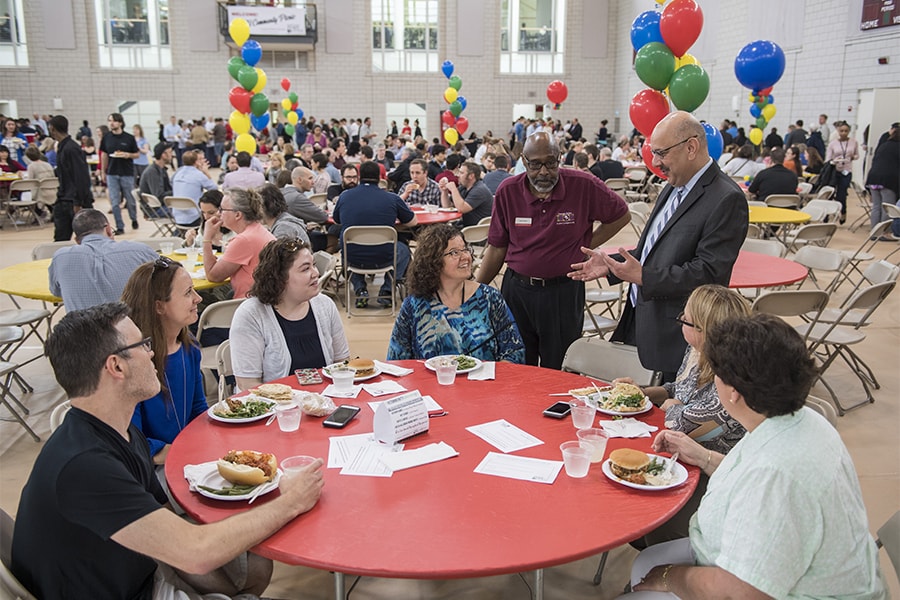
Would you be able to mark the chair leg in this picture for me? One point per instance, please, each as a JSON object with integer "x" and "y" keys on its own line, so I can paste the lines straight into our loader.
{"x": 598, "y": 576}
{"x": 5, "y": 393}
{"x": 841, "y": 409}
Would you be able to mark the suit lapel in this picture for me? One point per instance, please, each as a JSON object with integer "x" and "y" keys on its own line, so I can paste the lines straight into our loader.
{"x": 695, "y": 193}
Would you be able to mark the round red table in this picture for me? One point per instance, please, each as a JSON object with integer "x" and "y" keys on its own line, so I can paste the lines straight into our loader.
{"x": 424, "y": 217}
{"x": 754, "y": 270}
{"x": 442, "y": 520}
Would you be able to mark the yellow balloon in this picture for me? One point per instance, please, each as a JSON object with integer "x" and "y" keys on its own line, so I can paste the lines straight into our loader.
{"x": 660, "y": 2}
{"x": 751, "y": 98}
{"x": 240, "y": 31}
{"x": 756, "y": 136}
{"x": 687, "y": 59}
{"x": 245, "y": 143}
{"x": 286, "y": 104}
{"x": 450, "y": 95}
{"x": 769, "y": 111}
{"x": 292, "y": 117}
{"x": 260, "y": 81}
{"x": 240, "y": 123}
{"x": 451, "y": 135}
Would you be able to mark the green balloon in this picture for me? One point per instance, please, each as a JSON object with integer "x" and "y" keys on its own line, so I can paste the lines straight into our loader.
{"x": 455, "y": 82}
{"x": 761, "y": 122}
{"x": 289, "y": 129}
{"x": 654, "y": 64}
{"x": 234, "y": 66}
{"x": 293, "y": 98}
{"x": 285, "y": 111}
{"x": 259, "y": 104}
{"x": 455, "y": 108}
{"x": 247, "y": 77}
{"x": 689, "y": 87}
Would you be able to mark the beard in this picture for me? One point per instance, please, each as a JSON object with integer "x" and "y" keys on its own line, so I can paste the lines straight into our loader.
{"x": 543, "y": 184}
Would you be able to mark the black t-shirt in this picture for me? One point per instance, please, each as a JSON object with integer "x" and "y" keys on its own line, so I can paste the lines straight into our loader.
{"x": 123, "y": 142}
{"x": 303, "y": 343}
{"x": 87, "y": 483}
{"x": 777, "y": 179}
{"x": 608, "y": 169}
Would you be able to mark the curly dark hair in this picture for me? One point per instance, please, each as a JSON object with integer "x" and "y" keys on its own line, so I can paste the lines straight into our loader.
{"x": 271, "y": 274}
{"x": 424, "y": 275}
{"x": 740, "y": 351}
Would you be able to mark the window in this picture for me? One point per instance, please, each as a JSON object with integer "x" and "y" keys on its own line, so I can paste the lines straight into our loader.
{"x": 404, "y": 35}
{"x": 13, "y": 49}
{"x": 532, "y": 36}
{"x": 133, "y": 34}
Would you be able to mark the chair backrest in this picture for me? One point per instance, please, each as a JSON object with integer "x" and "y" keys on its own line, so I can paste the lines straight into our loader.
{"x": 862, "y": 304}
{"x": 816, "y": 233}
{"x": 218, "y": 314}
{"x": 151, "y": 200}
{"x": 767, "y": 247}
{"x": 605, "y": 360}
{"x": 641, "y": 207}
{"x": 617, "y": 184}
{"x": 48, "y": 249}
{"x": 804, "y": 188}
{"x": 484, "y": 221}
{"x": 224, "y": 367}
{"x": 889, "y": 539}
{"x": 783, "y": 200}
{"x": 824, "y": 408}
{"x": 756, "y": 203}
{"x": 638, "y": 221}
{"x": 8, "y": 582}
{"x": 822, "y": 259}
{"x": 793, "y": 303}
{"x": 753, "y": 231}
{"x": 58, "y": 414}
{"x": 156, "y": 243}
{"x": 475, "y": 234}
{"x": 831, "y": 207}
{"x": 635, "y": 174}
{"x": 891, "y": 210}
{"x": 320, "y": 200}
{"x": 825, "y": 193}
{"x": 24, "y": 185}
{"x": 325, "y": 266}
{"x": 47, "y": 188}
{"x": 816, "y": 214}
{"x": 178, "y": 202}
{"x": 370, "y": 235}
{"x": 881, "y": 271}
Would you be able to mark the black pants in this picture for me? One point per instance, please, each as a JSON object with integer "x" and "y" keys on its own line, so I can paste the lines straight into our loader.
{"x": 63, "y": 213}
{"x": 549, "y": 318}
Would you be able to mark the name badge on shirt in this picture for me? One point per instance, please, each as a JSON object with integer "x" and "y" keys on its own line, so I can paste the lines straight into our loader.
{"x": 523, "y": 221}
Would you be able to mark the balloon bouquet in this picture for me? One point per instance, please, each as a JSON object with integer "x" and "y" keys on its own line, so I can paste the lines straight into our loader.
{"x": 289, "y": 108}
{"x": 758, "y": 66}
{"x": 661, "y": 41}
{"x": 246, "y": 98}
{"x": 454, "y": 125}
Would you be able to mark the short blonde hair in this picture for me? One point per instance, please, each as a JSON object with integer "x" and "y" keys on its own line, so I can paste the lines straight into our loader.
{"x": 710, "y": 305}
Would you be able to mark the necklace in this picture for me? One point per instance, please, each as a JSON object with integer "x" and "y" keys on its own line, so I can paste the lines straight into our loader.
{"x": 184, "y": 402}
{"x": 462, "y": 296}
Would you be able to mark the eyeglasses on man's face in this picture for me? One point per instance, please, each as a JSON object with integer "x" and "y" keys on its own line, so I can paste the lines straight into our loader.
{"x": 680, "y": 319}
{"x": 457, "y": 252}
{"x": 665, "y": 151}
{"x": 147, "y": 344}
{"x": 223, "y": 209}
{"x": 535, "y": 165}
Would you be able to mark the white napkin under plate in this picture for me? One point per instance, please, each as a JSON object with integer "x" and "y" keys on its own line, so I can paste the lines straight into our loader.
{"x": 382, "y": 388}
{"x": 194, "y": 473}
{"x": 331, "y": 391}
{"x": 627, "y": 428}
{"x": 395, "y": 370}
{"x": 486, "y": 371}
{"x": 397, "y": 461}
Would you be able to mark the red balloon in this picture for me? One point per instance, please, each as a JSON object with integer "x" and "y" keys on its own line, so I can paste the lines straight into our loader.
{"x": 285, "y": 83}
{"x": 240, "y": 98}
{"x": 680, "y": 25}
{"x": 557, "y": 92}
{"x": 648, "y": 159}
{"x": 448, "y": 118}
{"x": 648, "y": 107}
{"x": 766, "y": 91}
{"x": 462, "y": 124}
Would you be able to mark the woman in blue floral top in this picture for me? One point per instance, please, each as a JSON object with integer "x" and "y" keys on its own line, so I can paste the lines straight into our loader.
{"x": 447, "y": 312}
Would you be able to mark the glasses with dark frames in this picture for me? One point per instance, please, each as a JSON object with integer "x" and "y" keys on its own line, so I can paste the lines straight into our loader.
{"x": 147, "y": 343}
{"x": 457, "y": 252}
{"x": 662, "y": 153}
{"x": 535, "y": 165}
{"x": 680, "y": 319}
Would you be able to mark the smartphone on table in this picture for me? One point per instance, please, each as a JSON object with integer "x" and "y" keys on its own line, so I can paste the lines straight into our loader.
{"x": 340, "y": 417}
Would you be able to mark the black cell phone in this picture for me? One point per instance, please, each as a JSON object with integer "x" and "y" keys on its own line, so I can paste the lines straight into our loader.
{"x": 558, "y": 410}
{"x": 343, "y": 415}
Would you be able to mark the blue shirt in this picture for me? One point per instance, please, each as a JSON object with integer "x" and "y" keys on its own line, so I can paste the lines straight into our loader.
{"x": 366, "y": 204}
{"x": 189, "y": 182}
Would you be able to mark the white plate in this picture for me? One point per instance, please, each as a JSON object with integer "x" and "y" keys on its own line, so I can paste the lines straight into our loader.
{"x": 265, "y": 415}
{"x": 679, "y": 476}
{"x": 327, "y": 372}
{"x": 593, "y": 399}
{"x": 183, "y": 251}
{"x": 214, "y": 480}
{"x": 430, "y": 363}
{"x": 442, "y": 209}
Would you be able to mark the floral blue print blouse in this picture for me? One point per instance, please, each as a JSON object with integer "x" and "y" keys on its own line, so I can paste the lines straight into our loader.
{"x": 482, "y": 327}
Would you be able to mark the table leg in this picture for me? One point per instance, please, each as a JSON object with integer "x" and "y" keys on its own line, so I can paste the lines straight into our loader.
{"x": 339, "y": 591}
{"x": 539, "y": 584}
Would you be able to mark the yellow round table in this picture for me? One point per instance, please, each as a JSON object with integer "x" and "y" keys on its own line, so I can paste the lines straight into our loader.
{"x": 777, "y": 216}
{"x": 30, "y": 280}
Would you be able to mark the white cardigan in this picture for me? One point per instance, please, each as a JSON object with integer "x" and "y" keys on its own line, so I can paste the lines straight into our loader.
{"x": 258, "y": 347}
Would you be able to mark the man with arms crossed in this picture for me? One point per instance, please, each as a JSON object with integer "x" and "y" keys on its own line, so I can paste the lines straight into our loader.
{"x": 693, "y": 237}
{"x": 119, "y": 149}
{"x": 92, "y": 521}
{"x": 540, "y": 221}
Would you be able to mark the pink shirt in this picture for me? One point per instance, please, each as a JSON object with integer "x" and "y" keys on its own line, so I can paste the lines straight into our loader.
{"x": 842, "y": 153}
{"x": 244, "y": 250}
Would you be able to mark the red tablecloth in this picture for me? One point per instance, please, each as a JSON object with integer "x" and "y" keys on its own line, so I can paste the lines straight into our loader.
{"x": 442, "y": 520}
{"x": 427, "y": 218}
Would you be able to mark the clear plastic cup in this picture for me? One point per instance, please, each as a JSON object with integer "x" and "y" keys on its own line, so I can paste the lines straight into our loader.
{"x": 288, "y": 416}
{"x": 594, "y": 439}
{"x": 293, "y": 464}
{"x": 446, "y": 370}
{"x": 166, "y": 248}
{"x": 190, "y": 261}
{"x": 577, "y": 460}
{"x": 431, "y": 208}
{"x": 343, "y": 378}
{"x": 583, "y": 415}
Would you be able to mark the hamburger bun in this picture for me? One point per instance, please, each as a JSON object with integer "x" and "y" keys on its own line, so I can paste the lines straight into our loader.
{"x": 247, "y": 467}
{"x": 629, "y": 464}
{"x": 362, "y": 366}
{"x": 275, "y": 391}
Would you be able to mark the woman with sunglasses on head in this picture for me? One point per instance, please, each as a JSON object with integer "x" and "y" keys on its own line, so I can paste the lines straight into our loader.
{"x": 285, "y": 324}
{"x": 447, "y": 312}
{"x": 163, "y": 305}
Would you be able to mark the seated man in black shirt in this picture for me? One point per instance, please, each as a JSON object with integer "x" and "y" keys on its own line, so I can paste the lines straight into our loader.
{"x": 92, "y": 521}
{"x": 776, "y": 179}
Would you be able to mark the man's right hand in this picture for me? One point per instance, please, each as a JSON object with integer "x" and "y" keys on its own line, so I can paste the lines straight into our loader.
{"x": 304, "y": 488}
{"x": 593, "y": 268}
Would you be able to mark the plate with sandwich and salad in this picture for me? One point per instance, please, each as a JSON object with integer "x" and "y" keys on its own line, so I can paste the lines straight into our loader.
{"x": 642, "y": 471}
{"x": 620, "y": 400}
{"x": 365, "y": 368}
{"x": 464, "y": 363}
{"x": 240, "y": 475}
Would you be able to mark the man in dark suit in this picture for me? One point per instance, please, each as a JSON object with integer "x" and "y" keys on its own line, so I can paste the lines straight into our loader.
{"x": 692, "y": 238}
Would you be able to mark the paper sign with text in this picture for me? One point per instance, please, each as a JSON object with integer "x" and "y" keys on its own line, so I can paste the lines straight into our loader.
{"x": 400, "y": 418}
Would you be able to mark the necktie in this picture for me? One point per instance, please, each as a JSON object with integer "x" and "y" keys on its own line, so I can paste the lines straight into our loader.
{"x": 671, "y": 206}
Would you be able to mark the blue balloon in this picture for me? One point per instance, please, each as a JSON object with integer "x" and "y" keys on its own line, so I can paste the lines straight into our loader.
{"x": 759, "y": 65}
{"x": 714, "y": 142}
{"x": 447, "y": 69}
{"x": 462, "y": 101}
{"x": 251, "y": 52}
{"x": 299, "y": 112}
{"x": 771, "y": 99}
{"x": 755, "y": 111}
{"x": 261, "y": 122}
{"x": 645, "y": 29}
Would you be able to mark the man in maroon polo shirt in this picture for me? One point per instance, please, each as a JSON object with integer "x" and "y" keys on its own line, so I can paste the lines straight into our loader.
{"x": 540, "y": 221}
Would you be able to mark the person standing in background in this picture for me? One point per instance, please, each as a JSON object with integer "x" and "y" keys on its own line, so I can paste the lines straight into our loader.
{"x": 841, "y": 153}
{"x": 118, "y": 151}
{"x": 74, "y": 179}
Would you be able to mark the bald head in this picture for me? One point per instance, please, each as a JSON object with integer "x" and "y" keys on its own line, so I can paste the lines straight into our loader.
{"x": 541, "y": 142}
{"x": 679, "y": 147}
{"x": 302, "y": 179}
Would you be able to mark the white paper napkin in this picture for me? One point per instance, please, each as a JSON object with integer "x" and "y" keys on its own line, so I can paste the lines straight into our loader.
{"x": 383, "y": 388}
{"x": 332, "y": 391}
{"x": 627, "y": 428}
{"x": 198, "y": 274}
{"x": 395, "y": 370}
{"x": 194, "y": 473}
{"x": 486, "y": 371}
{"x": 397, "y": 461}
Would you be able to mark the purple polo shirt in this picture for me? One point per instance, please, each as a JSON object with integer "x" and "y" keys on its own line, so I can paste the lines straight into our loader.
{"x": 544, "y": 238}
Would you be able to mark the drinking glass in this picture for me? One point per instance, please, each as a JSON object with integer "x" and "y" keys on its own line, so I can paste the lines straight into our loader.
{"x": 343, "y": 378}
{"x": 293, "y": 464}
{"x": 446, "y": 370}
{"x": 583, "y": 415}
{"x": 595, "y": 439}
{"x": 577, "y": 460}
{"x": 288, "y": 416}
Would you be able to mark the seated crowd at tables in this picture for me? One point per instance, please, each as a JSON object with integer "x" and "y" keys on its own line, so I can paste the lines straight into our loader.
{"x": 731, "y": 410}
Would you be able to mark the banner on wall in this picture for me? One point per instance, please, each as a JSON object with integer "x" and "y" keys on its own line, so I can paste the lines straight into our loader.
{"x": 271, "y": 20}
{"x": 879, "y": 13}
